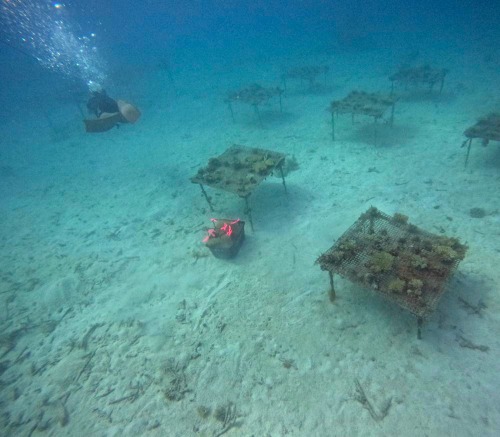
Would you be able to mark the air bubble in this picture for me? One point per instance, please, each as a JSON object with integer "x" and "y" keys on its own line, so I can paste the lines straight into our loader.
{"x": 37, "y": 27}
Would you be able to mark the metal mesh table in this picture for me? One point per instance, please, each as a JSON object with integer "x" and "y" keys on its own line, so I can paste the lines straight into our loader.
{"x": 362, "y": 103}
{"x": 400, "y": 261}
{"x": 486, "y": 128}
{"x": 416, "y": 76}
{"x": 254, "y": 95}
{"x": 307, "y": 73}
{"x": 239, "y": 170}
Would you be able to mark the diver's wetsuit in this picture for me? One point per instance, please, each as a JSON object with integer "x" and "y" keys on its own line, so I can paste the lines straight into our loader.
{"x": 100, "y": 102}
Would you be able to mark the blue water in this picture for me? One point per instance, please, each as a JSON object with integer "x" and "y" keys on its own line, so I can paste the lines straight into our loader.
{"x": 117, "y": 320}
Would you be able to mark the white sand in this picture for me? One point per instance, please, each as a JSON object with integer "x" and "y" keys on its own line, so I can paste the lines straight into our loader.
{"x": 116, "y": 320}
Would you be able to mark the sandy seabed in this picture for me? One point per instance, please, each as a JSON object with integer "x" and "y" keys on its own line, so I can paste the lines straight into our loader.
{"x": 116, "y": 320}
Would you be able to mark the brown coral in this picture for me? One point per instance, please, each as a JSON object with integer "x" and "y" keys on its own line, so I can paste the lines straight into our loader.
{"x": 396, "y": 285}
{"x": 415, "y": 287}
{"x": 381, "y": 262}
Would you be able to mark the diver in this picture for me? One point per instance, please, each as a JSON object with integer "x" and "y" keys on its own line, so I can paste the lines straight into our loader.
{"x": 99, "y": 102}
{"x": 108, "y": 112}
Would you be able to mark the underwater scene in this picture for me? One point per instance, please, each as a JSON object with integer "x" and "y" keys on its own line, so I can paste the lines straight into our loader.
{"x": 249, "y": 218}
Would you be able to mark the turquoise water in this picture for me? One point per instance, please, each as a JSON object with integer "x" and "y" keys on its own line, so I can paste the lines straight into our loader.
{"x": 115, "y": 317}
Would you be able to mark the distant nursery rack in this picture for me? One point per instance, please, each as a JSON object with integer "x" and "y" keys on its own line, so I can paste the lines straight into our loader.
{"x": 363, "y": 103}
